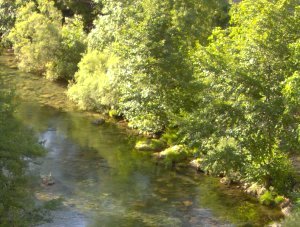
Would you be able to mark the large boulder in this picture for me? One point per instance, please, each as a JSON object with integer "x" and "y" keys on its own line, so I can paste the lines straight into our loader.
{"x": 150, "y": 145}
{"x": 174, "y": 154}
{"x": 196, "y": 164}
{"x": 47, "y": 180}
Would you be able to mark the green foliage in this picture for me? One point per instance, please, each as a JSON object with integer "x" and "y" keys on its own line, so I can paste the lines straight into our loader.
{"x": 174, "y": 154}
{"x": 113, "y": 113}
{"x": 7, "y": 16}
{"x": 267, "y": 198}
{"x": 150, "y": 145}
{"x": 71, "y": 48}
{"x": 8, "y": 10}
{"x": 224, "y": 158}
{"x": 43, "y": 45}
{"x": 36, "y": 37}
{"x": 17, "y": 146}
{"x": 279, "y": 199}
{"x": 270, "y": 198}
{"x": 171, "y": 136}
{"x": 88, "y": 9}
{"x": 242, "y": 74}
{"x": 95, "y": 82}
{"x": 152, "y": 40}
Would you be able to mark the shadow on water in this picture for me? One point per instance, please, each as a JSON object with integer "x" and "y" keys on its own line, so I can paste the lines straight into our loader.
{"x": 103, "y": 181}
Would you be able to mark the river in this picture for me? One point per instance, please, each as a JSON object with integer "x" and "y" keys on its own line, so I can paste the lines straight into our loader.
{"x": 100, "y": 178}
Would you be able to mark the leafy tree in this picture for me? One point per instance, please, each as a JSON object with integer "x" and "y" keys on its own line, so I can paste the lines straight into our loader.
{"x": 36, "y": 36}
{"x": 152, "y": 41}
{"x": 17, "y": 146}
{"x": 69, "y": 54}
{"x": 7, "y": 16}
{"x": 8, "y": 9}
{"x": 95, "y": 82}
{"x": 242, "y": 72}
{"x": 43, "y": 45}
{"x": 158, "y": 74}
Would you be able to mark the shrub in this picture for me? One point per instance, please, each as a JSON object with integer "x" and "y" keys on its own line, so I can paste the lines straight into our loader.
{"x": 36, "y": 35}
{"x": 72, "y": 46}
{"x": 94, "y": 86}
{"x": 225, "y": 158}
{"x": 279, "y": 199}
{"x": 267, "y": 198}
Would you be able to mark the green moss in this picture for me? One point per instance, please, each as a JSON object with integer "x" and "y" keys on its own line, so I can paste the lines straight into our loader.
{"x": 150, "y": 145}
{"x": 278, "y": 199}
{"x": 175, "y": 154}
{"x": 267, "y": 198}
{"x": 113, "y": 113}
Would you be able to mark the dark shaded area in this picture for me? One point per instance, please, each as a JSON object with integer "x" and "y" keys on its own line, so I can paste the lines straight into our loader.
{"x": 88, "y": 9}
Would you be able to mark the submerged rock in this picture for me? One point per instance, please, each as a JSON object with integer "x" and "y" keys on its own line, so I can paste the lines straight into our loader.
{"x": 99, "y": 121}
{"x": 187, "y": 203}
{"x": 47, "y": 179}
{"x": 226, "y": 181}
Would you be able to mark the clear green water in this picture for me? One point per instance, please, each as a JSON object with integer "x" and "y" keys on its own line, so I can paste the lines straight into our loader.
{"x": 103, "y": 181}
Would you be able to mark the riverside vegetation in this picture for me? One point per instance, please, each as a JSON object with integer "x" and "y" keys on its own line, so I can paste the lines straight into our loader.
{"x": 17, "y": 146}
{"x": 215, "y": 81}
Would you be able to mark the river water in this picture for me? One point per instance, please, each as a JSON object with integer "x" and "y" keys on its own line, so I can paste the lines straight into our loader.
{"x": 102, "y": 181}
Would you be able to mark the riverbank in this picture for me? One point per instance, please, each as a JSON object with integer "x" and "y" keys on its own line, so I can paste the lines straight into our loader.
{"x": 68, "y": 120}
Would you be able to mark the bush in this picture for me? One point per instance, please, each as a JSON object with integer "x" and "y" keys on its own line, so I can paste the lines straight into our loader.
{"x": 267, "y": 198}
{"x": 94, "y": 86}
{"x": 36, "y": 36}
{"x": 43, "y": 45}
{"x": 272, "y": 170}
{"x": 225, "y": 158}
{"x": 73, "y": 45}
{"x": 279, "y": 199}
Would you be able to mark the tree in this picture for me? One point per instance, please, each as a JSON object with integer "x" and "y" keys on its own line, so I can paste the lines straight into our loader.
{"x": 242, "y": 108}
{"x": 95, "y": 86}
{"x": 17, "y": 146}
{"x": 36, "y": 36}
{"x": 72, "y": 45}
{"x": 152, "y": 41}
{"x": 42, "y": 44}
{"x": 8, "y": 9}
{"x": 7, "y": 16}
{"x": 87, "y": 9}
